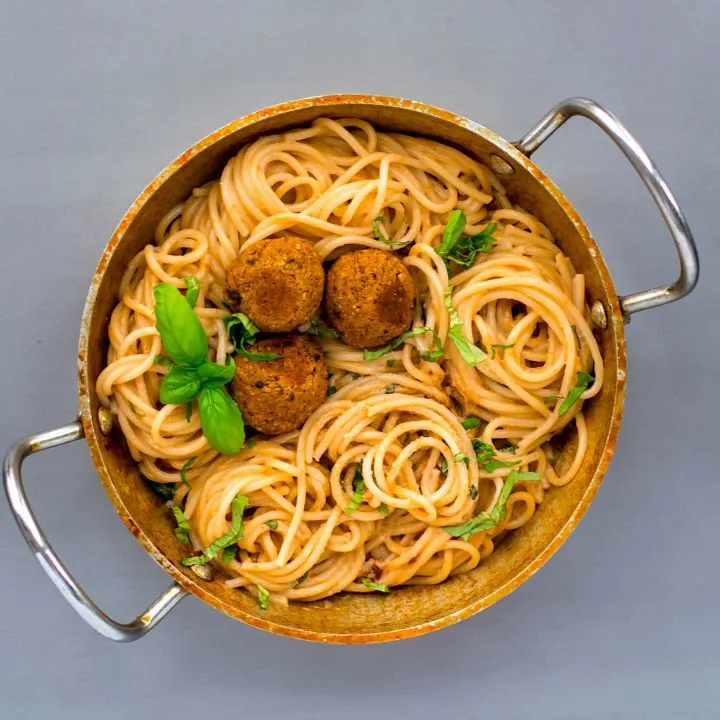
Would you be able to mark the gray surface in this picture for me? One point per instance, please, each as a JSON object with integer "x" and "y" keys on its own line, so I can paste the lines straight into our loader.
{"x": 97, "y": 97}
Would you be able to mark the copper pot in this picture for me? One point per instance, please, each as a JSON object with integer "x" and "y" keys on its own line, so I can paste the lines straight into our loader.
{"x": 349, "y": 618}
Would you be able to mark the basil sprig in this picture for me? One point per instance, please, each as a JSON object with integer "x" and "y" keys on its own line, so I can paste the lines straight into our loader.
{"x": 398, "y": 341}
{"x": 470, "y": 352}
{"x": 243, "y": 331}
{"x": 380, "y": 235}
{"x": 235, "y": 533}
{"x": 487, "y": 520}
{"x": 193, "y": 375}
{"x": 584, "y": 381}
{"x": 462, "y": 249}
{"x": 372, "y": 585}
{"x": 358, "y": 495}
{"x": 485, "y": 455}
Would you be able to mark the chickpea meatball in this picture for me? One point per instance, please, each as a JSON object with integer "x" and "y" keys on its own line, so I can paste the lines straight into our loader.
{"x": 277, "y": 396}
{"x": 370, "y": 297}
{"x": 278, "y": 283}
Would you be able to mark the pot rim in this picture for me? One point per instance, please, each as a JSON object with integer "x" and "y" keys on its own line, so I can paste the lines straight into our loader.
{"x": 94, "y": 436}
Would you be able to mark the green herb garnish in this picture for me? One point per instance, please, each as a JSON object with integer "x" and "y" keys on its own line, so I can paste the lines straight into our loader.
{"x": 379, "y": 587}
{"x": 229, "y": 553}
{"x": 485, "y": 455}
{"x": 390, "y": 363}
{"x": 390, "y": 389}
{"x": 235, "y": 533}
{"x": 272, "y": 524}
{"x": 470, "y": 352}
{"x": 182, "y": 531}
{"x": 184, "y": 469}
{"x": 398, "y": 341}
{"x": 383, "y": 509}
{"x": 462, "y": 457}
{"x": 303, "y": 577}
{"x": 495, "y": 347}
{"x": 188, "y": 411}
{"x": 263, "y": 597}
{"x": 358, "y": 491}
{"x": 471, "y": 422}
{"x": 193, "y": 375}
{"x": 487, "y": 520}
{"x": 380, "y": 235}
{"x": 331, "y": 390}
{"x": 462, "y": 249}
{"x": 242, "y": 332}
{"x": 473, "y": 492}
{"x": 584, "y": 380}
{"x": 164, "y": 490}
{"x": 443, "y": 466}
{"x": 193, "y": 290}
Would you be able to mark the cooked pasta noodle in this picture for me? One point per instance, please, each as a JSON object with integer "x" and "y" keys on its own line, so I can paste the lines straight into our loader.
{"x": 396, "y": 420}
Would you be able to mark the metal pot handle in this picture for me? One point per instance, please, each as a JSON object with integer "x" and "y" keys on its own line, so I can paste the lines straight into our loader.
{"x": 51, "y": 563}
{"x": 653, "y": 181}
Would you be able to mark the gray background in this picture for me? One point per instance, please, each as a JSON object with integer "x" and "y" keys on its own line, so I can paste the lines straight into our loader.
{"x": 97, "y": 97}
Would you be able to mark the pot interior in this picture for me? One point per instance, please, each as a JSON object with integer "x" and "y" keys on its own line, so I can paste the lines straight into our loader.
{"x": 405, "y": 611}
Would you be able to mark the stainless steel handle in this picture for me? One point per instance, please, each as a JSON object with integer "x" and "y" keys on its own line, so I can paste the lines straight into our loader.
{"x": 653, "y": 181}
{"x": 51, "y": 563}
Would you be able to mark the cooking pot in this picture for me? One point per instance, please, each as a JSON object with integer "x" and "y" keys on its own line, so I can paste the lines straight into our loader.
{"x": 351, "y": 618}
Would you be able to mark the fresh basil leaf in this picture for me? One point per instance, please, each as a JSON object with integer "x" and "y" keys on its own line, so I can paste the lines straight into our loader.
{"x": 251, "y": 443}
{"x": 302, "y": 578}
{"x": 185, "y": 468}
{"x": 272, "y": 524}
{"x": 465, "y": 250}
{"x": 380, "y": 235}
{"x": 331, "y": 390}
{"x": 188, "y": 411}
{"x": 443, "y": 466}
{"x": 263, "y": 597}
{"x": 462, "y": 457}
{"x": 163, "y": 360}
{"x": 221, "y": 420}
{"x": 483, "y": 451}
{"x": 487, "y": 520}
{"x": 370, "y": 584}
{"x": 470, "y": 352}
{"x": 584, "y": 380}
{"x": 495, "y": 347}
{"x": 355, "y": 376}
{"x": 242, "y": 332}
{"x": 180, "y": 328}
{"x": 359, "y": 488}
{"x": 235, "y": 533}
{"x": 451, "y": 234}
{"x": 214, "y": 375}
{"x": 390, "y": 389}
{"x": 493, "y": 465}
{"x": 193, "y": 290}
{"x": 165, "y": 490}
{"x": 473, "y": 492}
{"x": 396, "y": 343}
{"x": 257, "y": 357}
{"x": 390, "y": 363}
{"x": 182, "y": 531}
{"x": 179, "y": 386}
{"x": 228, "y": 554}
{"x": 383, "y": 509}
{"x": 471, "y": 422}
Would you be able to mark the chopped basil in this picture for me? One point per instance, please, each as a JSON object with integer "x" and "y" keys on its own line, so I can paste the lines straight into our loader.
{"x": 443, "y": 466}
{"x": 358, "y": 491}
{"x": 584, "y": 380}
{"x": 185, "y": 468}
{"x": 473, "y": 492}
{"x": 228, "y": 554}
{"x": 242, "y": 331}
{"x": 193, "y": 290}
{"x": 471, "y": 422}
{"x": 380, "y": 235}
{"x": 235, "y": 533}
{"x": 390, "y": 389}
{"x": 251, "y": 443}
{"x": 331, "y": 390}
{"x": 462, "y": 249}
{"x": 379, "y": 587}
{"x": 355, "y": 376}
{"x": 487, "y": 520}
{"x": 263, "y": 597}
{"x": 302, "y": 578}
{"x": 462, "y": 457}
{"x": 182, "y": 531}
{"x": 383, "y": 509}
{"x": 493, "y": 465}
{"x": 164, "y": 490}
{"x": 390, "y": 363}
{"x": 398, "y": 341}
{"x": 485, "y": 455}
{"x": 495, "y": 347}
{"x": 470, "y": 352}
{"x": 272, "y": 524}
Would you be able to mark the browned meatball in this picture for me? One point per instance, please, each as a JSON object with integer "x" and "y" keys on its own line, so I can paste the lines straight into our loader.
{"x": 277, "y": 283}
{"x": 277, "y": 396}
{"x": 370, "y": 297}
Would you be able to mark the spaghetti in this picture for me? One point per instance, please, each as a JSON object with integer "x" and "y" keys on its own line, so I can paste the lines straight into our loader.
{"x": 362, "y": 496}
